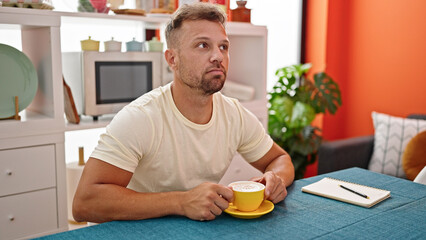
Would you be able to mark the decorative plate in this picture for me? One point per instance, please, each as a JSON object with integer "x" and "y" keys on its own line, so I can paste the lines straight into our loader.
{"x": 18, "y": 77}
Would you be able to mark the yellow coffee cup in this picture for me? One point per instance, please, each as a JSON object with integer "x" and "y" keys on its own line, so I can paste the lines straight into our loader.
{"x": 248, "y": 195}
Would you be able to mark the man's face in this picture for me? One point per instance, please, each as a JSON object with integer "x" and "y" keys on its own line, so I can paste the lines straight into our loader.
{"x": 202, "y": 56}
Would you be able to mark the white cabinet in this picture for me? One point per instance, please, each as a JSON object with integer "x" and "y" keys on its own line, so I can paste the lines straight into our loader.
{"x": 26, "y": 169}
{"x": 32, "y": 161}
{"x": 32, "y": 153}
{"x": 28, "y": 214}
{"x": 32, "y": 185}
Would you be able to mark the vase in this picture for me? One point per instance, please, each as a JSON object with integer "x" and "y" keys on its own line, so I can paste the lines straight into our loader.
{"x": 241, "y": 13}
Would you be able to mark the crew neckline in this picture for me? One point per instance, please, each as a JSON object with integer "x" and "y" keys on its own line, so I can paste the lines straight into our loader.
{"x": 185, "y": 120}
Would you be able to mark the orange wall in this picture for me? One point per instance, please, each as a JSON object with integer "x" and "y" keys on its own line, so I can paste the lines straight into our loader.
{"x": 316, "y": 34}
{"x": 376, "y": 51}
{"x": 315, "y": 49}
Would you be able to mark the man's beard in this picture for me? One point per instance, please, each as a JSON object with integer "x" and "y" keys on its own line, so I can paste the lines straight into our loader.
{"x": 207, "y": 85}
{"x": 212, "y": 85}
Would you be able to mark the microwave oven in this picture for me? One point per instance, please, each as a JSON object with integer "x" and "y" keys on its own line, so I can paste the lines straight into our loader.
{"x": 104, "y": 82}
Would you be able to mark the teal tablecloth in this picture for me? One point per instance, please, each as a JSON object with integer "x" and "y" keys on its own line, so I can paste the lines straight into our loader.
{"x": 299, "y": 216}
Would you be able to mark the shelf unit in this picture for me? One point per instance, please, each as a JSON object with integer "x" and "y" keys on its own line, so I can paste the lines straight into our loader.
{"x": 35, "y": 146}
{"x": 248, "y": 52}
{"x": 32, "y": 160}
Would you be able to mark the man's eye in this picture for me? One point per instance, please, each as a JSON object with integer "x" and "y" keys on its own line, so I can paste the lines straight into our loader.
{"x": 224, "y": 47}
{"x": 202, "y": 45}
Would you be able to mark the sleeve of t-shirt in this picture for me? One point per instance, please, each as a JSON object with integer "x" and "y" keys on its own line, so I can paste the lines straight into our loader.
{"x": 255, "y": 142}
{"x": 128, "y": 137}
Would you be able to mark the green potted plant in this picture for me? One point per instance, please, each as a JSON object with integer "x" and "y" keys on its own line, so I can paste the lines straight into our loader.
{"x": 293, "y": 104}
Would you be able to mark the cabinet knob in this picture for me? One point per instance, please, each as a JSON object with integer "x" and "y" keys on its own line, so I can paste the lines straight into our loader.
{"x": 11, "y": 218}
{"x": 9, "y": 172}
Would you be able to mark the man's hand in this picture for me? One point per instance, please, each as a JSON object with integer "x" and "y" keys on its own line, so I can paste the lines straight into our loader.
{"x": 275, "y": 189}
{"x": 278, "y": 173}
{"x": 206, "y": 201}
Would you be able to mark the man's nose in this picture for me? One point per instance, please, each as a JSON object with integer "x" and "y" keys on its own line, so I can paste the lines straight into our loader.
{"x": 217, "y": 55}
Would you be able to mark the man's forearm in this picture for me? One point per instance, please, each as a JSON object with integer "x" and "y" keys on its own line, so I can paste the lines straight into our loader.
{"x": 102, "y": 196}
{"x": 108, "y": 202}
{"x": 282, "y": 167}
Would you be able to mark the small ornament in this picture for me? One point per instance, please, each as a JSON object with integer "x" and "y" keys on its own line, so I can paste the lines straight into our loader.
{"x": 241, "y": 13}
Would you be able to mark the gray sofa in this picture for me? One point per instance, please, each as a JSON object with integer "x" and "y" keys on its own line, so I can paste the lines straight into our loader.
{"x": 347, "y": 153}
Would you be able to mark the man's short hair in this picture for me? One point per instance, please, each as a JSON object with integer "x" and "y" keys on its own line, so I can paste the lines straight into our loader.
{"x": 195, "y": 11}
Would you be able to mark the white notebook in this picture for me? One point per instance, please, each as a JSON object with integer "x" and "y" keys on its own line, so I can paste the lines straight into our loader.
{"x": 332, "y": 188}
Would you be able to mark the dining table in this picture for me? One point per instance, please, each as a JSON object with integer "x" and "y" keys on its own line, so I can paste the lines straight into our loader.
{"x": 299, "y": 216}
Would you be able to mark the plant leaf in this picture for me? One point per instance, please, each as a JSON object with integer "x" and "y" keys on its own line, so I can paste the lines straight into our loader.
{"x": 302, "y": 115}
{"x": 279, "y": 117}
{"x": 302, "y": 69}
{"x": 328, "y": 97}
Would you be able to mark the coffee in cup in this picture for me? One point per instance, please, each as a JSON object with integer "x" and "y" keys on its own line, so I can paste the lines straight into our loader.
{"x": 248, "y": 195}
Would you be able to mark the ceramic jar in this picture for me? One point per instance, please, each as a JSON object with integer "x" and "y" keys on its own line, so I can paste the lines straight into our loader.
{"x": 134, "y": 46}
{"x": 154, "y": 45}
{"x": 89, "y": 45}
{"x": 112, "y": 46}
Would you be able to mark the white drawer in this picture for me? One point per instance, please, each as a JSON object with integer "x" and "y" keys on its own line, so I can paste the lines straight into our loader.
{"x": 27, "y": 169}
{"x": 27, "y": 214}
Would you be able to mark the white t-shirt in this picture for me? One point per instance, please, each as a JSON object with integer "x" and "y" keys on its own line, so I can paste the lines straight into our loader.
{"x": 167, "y": 152}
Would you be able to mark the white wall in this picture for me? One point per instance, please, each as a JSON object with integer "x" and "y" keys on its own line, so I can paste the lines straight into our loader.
{"x": 283, "y": 18}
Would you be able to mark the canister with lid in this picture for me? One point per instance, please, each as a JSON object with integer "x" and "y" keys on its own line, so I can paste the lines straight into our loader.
{"x": 134, "y": 46}
{"x": 154, "y": 45}
{"x": 112, "y": 46}
{"x": 89, "y": 45}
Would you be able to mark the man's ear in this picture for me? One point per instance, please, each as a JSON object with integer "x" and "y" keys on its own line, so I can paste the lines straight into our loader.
{"x": 170, "y": 56}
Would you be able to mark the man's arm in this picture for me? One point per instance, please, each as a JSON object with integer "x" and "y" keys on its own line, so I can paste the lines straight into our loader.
{"x": 102, "y": 196}
{"x": 278, "y": 173}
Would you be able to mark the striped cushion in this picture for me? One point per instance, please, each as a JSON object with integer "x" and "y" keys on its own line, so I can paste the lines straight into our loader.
{"x": 391, "y": 136}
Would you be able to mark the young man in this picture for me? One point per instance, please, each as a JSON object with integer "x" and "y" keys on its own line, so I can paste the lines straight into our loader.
{"x": 164, "y": 153}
